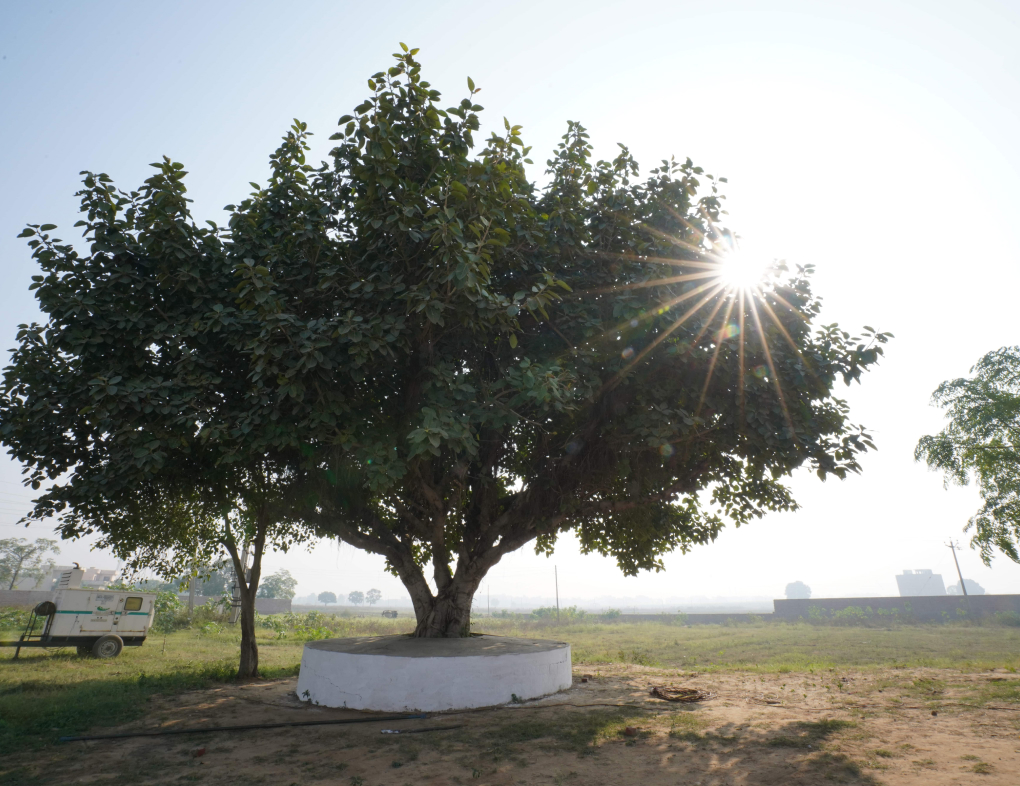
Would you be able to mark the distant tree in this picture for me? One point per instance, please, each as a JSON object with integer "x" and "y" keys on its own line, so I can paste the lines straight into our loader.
{"x": 20, "y": 559}
{"x": 973, "y": 588}
{"x": 798, "y": 589}
{"x": 215, "y": 579}
{"x": 982, "y": 441}
{"x": 373, "y": 596}
{"x": 356, "y": 598}
{"x": 280, "y": 585}
{"x": 327, "y": 597}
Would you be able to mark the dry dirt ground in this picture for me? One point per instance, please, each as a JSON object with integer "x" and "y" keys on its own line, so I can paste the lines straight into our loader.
{"x": 872, "y": 727}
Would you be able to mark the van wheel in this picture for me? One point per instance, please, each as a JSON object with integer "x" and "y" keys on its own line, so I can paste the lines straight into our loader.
{"x": 108, "y": 646}
{"x": 84, "y": 650}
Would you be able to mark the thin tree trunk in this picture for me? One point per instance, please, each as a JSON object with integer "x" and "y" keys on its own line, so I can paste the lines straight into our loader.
{"x": 17, "y": 572}
{"x": 248, "y": 665}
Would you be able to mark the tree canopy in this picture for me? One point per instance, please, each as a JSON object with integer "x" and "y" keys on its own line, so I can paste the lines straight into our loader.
{"x": 21, "y": 559}
{"x": 798, "y": 589}
{"x": 416, "y": 350}
{"x": 279, "y": 585}
{"x": 982, "y": 442}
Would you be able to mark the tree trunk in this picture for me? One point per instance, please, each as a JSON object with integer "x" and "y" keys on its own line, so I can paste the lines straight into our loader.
{"x": 248, "y": 666}
{"x": 17, "y": 572}
{"x": 448, "y": 615}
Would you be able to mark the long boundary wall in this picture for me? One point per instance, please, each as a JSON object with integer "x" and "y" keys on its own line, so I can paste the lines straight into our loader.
{"x": 922, "y": 608}
{"x": 24, "y": 597}
{"x": 262, "y": 605}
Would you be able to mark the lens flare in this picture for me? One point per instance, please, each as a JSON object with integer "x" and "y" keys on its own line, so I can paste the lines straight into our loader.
{"x": 628, "y": 353}
{"x": 742, "y": 270}
{"x": 666, "y": 450}
{"x": 730, "y": 330}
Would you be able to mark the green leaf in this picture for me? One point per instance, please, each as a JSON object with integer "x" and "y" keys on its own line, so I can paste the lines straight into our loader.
{"x": 471, "y": 84}
{"x": 513, "y": 341}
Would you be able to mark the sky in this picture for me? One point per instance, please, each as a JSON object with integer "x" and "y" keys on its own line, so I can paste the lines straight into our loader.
{"x": 874, "y": 140}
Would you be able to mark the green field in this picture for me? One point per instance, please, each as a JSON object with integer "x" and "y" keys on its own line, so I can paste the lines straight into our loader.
{"x": 47, "y": 694}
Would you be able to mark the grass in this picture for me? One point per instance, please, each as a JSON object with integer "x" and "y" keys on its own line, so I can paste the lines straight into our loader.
{"x": 579, "y": 732}
{"x": 45, "y": 695}
{"x": 999, "y": 691}
{"x": 687, "y": 726}
{"x": 776, "y": 647}
{"x": 810, "y": 734}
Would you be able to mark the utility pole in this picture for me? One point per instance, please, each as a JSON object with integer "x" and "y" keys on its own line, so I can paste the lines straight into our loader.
{"x": 556, "y": 576}
{"x": 235, "y": 591}
{"x": 954, "y": 547}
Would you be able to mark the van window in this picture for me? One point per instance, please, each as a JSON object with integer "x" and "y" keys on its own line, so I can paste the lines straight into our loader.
{"x": 132, "y": 604}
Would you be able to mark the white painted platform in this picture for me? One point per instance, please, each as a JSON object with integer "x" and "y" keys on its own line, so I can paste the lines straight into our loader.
{"x": 398, "y": 673}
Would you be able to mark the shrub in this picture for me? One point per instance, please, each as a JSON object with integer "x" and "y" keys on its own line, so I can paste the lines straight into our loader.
{"x": 14, "y": 619}
{"x": 171, "y": 614}
{"x": 1008, "y": 618}
{"x": 568, "y": 614}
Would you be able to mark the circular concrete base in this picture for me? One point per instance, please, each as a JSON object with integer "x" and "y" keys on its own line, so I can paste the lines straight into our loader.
{"x": 397, "y": 673}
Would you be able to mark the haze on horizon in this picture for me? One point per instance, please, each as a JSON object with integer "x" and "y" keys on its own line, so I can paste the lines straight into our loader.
{"x": 875, "y": 141}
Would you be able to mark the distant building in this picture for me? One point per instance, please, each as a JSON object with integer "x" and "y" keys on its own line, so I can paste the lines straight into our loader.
{"x": 98, "y": 577}
{"x": 92, "y": 577}
{"x": 921, "y": 582}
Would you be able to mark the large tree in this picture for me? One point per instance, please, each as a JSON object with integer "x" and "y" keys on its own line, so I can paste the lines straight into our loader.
{"x": 444, "y": 363}
{"x": 982, "y": 442}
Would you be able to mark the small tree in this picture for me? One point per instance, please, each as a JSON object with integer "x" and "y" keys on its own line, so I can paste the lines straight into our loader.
{"x": 356, "y": 598}
{"x": 798, "y": 590}
{"x": 137, "y": 411}
{"x": 279, "y": 585}
{"x": 982, "y": 441}
{"x": 373, "y": 596}
{"x": 20, "y": 559}
{"x": 327, "y": 597}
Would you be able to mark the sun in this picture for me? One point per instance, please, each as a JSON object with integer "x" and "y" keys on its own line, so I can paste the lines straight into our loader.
{"x": 741, "y": 270}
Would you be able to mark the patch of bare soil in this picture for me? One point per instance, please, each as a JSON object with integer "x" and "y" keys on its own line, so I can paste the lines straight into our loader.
{"x": 893, "y": 727}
